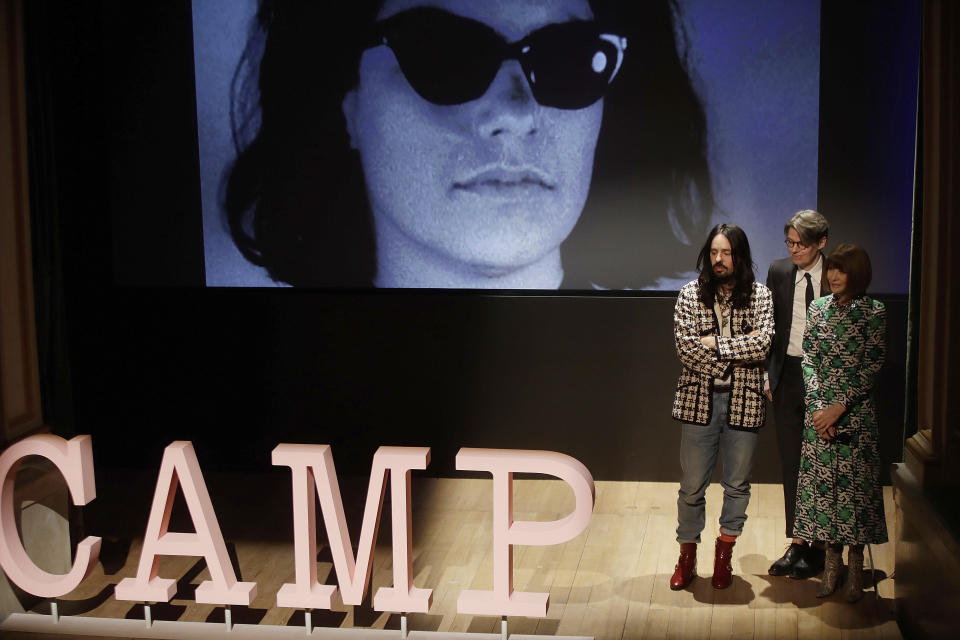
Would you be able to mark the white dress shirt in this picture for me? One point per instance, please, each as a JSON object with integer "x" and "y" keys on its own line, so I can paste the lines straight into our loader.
{"x": 799, "y": 322}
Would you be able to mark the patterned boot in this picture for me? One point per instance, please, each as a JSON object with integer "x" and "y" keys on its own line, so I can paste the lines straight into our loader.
{"x": 831, "y": 571}
{"x": 854, "y": 589}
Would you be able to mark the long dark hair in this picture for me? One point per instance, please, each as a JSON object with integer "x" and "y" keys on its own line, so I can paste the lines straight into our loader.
{"x": 295, "y": 198}
{"x": 742, "y": 267}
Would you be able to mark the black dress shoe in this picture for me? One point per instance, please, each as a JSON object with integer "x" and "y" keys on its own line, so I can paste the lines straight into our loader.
{"x": 784, "y": 566}
{"x": 810, "y": 565}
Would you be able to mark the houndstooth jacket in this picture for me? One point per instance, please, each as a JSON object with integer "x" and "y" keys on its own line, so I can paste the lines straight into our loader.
{"x": 701, "y": 365}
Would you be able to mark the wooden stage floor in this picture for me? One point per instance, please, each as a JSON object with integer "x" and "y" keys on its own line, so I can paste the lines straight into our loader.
{"x": 609, "y": 582}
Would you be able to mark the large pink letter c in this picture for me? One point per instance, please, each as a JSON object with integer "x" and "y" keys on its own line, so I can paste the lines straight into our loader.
{"x": 74, "y": 459}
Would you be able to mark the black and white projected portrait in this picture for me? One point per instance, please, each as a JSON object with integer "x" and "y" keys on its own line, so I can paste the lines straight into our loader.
{"x": 503, "y": 144}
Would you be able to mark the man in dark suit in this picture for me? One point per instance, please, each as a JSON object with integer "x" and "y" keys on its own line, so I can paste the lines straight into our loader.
{"x": 794, "y": 282}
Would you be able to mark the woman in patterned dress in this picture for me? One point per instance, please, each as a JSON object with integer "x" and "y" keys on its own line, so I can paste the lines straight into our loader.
{"x": 839, "y": 497}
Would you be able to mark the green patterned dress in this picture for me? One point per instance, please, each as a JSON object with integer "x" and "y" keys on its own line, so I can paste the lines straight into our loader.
{"x": 839, "y": 496}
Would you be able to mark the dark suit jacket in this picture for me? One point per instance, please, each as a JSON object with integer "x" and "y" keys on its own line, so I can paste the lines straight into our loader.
{"x": 780, "y": 280}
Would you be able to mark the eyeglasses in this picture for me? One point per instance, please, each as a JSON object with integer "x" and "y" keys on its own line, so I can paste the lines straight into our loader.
{"x": 449, "y": 59}
{"x": 791, "y": 244}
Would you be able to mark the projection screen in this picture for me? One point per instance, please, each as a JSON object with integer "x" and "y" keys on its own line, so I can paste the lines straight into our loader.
{"x": 499, "y": 145}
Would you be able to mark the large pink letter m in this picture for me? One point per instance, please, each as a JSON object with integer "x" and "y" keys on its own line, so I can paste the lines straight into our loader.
{"x": 313, "y": 471}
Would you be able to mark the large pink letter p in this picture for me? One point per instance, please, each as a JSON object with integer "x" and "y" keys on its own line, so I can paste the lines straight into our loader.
{"x": 503, "y": 463}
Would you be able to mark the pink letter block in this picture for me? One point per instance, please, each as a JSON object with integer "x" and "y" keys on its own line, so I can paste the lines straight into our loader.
{"x": 74, "y": 459}
{"x": 503, "y": 463}
{"x": 180, "y": 466}
{"x": 313, "y": 470}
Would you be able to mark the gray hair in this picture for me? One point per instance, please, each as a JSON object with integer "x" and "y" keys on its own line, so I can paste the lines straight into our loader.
{"x": 810, "y": 225}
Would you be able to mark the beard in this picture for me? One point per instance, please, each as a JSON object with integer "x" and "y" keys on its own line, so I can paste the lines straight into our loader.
{"x": 721, "y": 279}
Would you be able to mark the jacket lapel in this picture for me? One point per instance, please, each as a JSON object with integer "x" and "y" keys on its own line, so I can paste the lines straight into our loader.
{"x": 786, "y": 300}
{"x": 791, "y": 286}
{"x": 824, "y": 283}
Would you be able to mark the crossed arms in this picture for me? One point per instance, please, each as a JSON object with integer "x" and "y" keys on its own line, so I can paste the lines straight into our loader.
{"x": 711, "y": 354}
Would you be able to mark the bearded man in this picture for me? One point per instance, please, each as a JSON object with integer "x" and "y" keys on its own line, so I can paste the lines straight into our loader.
{"x": 723, "y": 328}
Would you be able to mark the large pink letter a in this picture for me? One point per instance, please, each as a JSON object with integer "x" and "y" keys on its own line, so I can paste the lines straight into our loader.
{"x": 180, "y": 466}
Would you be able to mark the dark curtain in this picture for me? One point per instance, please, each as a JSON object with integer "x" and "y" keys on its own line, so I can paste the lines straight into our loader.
{"x": 47, "y": 216}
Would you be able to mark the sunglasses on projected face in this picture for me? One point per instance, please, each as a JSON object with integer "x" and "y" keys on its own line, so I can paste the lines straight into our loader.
{"x": 450, "y": 60}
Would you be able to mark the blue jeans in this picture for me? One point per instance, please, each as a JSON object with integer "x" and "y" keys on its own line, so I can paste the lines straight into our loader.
{"x": 699, "y": 447}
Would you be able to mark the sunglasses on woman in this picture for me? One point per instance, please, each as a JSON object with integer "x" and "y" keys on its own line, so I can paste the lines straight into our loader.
{"x": 449, "y": 59}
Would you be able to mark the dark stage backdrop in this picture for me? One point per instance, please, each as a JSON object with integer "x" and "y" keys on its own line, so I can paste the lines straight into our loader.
{"x": 239, "y": 372}
{"x": 114, "y": 158}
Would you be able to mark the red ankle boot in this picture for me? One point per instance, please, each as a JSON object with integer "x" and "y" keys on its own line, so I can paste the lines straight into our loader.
{"x": 722, "y": 569}
{"x": 686, "y": 567}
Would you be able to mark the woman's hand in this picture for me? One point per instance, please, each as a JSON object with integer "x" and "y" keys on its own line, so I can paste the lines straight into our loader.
{"x": 824, "y": 420}
{"x": 826, "y": 433}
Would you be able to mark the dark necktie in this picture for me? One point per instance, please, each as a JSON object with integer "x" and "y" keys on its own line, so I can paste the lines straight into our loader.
{"x": 809, "y": 297}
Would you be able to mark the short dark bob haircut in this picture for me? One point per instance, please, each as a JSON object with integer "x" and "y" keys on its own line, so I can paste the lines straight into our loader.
{"x": 742, "y": 267}
{"x": 295, "y": 196}
{"x": 855, "y": 262}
